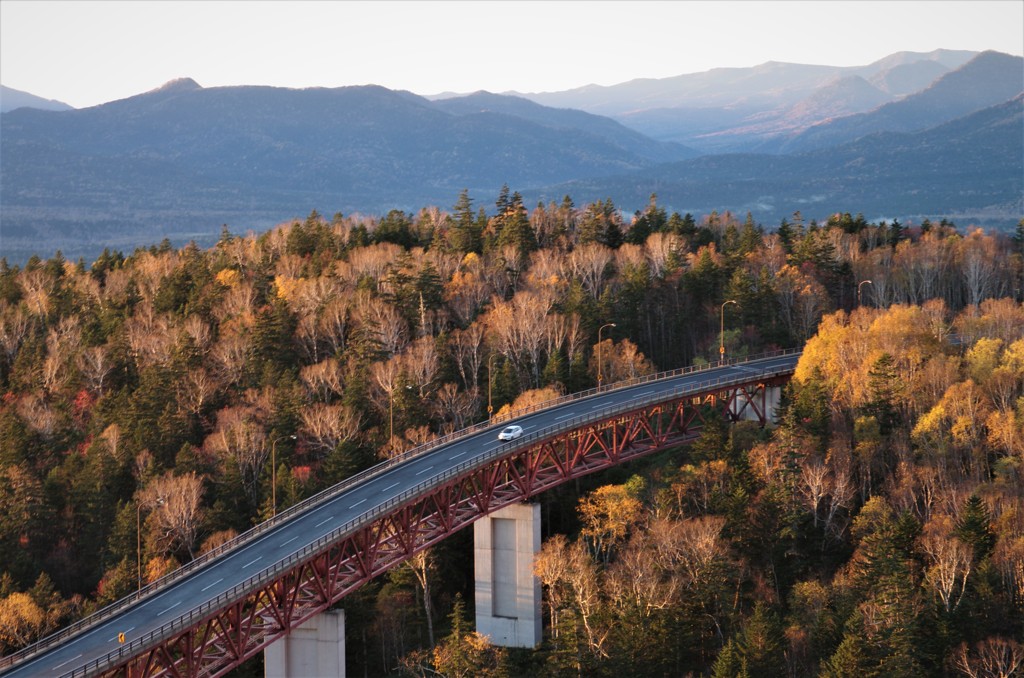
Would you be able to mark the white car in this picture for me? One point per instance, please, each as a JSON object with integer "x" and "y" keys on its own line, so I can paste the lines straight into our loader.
{"x": 510, "y": 433}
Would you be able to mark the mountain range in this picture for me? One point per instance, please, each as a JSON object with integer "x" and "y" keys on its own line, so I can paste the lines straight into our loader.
{"x": 11, "y": 99}
{"x": 915, "y": 134}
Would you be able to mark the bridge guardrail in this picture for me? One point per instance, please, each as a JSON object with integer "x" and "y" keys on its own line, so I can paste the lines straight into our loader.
{"x": 327, "y": 494}
{"x": 286, "y": 514}
{"x": 204, "y": 610}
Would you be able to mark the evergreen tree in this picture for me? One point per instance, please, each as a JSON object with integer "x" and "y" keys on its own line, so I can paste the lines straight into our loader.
{"x": 762, "y": 644}
{"x": 456, "y": 655}
{"x": 974, "y": 527}
{"x": 713, "y": 441}
{"x": 883, "y": 636}
{"x": 750, "y": 237}
{"x": 729, "y": 663}
{"x": 395, "y": 227}
{"x": 896, "y": 233}
{"x": 501, "y": 205}
{"x": 1018, "y": 238}
{"x": 514, "y": 227}
{"x": 684, "y": 226}
{"x": 600, "y": 223}
{"x": 466, "y": 235}
{"x": 884, "y": 389}
{"x": 644, "y": 223}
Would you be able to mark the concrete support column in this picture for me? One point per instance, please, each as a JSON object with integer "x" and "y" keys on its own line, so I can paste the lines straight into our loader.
{"x": 508, "y": 595}
{"x": 772, "y": 399}
{"x": 314, "y": 648}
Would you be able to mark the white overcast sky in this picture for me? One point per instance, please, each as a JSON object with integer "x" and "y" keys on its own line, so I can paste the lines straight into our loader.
{"x": 86, "y": 53}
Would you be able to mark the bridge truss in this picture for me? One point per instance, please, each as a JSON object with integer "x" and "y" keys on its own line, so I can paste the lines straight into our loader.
{"x": 214, "y": 641}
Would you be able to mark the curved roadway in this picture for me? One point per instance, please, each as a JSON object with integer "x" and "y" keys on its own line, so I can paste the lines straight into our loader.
{"x": 219, "y": 575}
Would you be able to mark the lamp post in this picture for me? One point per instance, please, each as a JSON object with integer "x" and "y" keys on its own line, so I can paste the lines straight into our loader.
{"x": 721, "y": 330}
{"x": 858, "y": 289}
{"x": 391, "y": 415}
{"x": 273, "y": 473}
{"x": 599, "y": 373}
{"x": 490, "y": 406}
{"x": 138, "y": 536}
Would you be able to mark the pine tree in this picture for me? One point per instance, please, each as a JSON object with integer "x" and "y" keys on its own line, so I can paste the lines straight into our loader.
{"x": 750, "y": 237}
{"x": 883, "y": 637}
{"x": 762, "y": 643}
{"x": 395, "y": 227}
{"x": 896, "y": 233}
{"x": 1018, "y": 238}
{"x": 729, "y": 663}
{"x": 975, "y": 527}
{"x": 884, "y": 389}
{"x": 466, "y": 235}
{"x": 514, "y": 227}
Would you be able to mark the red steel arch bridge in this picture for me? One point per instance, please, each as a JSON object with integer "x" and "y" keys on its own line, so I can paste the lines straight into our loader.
{"x": 228, "y": 605}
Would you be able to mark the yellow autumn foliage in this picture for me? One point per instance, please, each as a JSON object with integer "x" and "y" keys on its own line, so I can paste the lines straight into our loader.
{"x": 527, "y": 399}
{"x": 983, "y": 358}
{"x": 608, "y": 513}
{"x": 470, "y": 261}
{"x": 847, "y": 347}
{"x": 960, "y": 414}
{"x": 228, "y": 277}
{"x": 288, "y": 288}
{"x": 21, "y": 620}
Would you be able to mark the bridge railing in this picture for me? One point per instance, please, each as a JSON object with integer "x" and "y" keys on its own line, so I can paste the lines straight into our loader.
{"x": 257, "y": 581}
{"x": 325, "y": 495}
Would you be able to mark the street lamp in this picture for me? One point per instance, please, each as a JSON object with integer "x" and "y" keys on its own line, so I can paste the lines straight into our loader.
{"x": 273, "y": 473}
{"x": 858, "y": 289}
{"x": 138, "y": 536}
{"x": 721, "y": 330}
{"x": 599, "y": 374}
{"x": 490, "y": 406}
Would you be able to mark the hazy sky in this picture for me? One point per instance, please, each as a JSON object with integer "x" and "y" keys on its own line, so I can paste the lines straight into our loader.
{"x": 85, "y": 53}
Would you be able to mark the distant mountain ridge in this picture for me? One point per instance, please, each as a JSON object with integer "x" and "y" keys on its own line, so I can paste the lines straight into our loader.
{"x": 181, "y": 160}
{"x": 182, "y": 154}
{"x": 737, "y": 109}
{"x": 968, "y": 168}
{"x": 770, "y": 84}
{"x": 11, "y": 99}
{"x": 988, "y": 79}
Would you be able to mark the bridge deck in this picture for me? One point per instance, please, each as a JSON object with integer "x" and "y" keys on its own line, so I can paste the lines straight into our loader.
{"x": 218, "y": 581}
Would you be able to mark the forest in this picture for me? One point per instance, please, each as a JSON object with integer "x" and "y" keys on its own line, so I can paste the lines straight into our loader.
{"x": 156, "y": 404}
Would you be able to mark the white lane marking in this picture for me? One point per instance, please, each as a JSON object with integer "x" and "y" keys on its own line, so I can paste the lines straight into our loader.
{"x": 288, "y": 542}
{"x": 357, "y": 503}
{"x": 389, "y": 487}
{"x": 563, "y": 416}
{"x": 599, "y": 405}
{"x": 644, "y": 393}
{"x": 456, "y": 456}
{"x": 210, "y": 586}
{"x": 169, "y": 609}
{"x": 424, "y": 470}
{"x": 252, "y": 561}
{"x": 67, "y": 662}
{"x": 325, "y": 521}
{"x": 115, "y": 637}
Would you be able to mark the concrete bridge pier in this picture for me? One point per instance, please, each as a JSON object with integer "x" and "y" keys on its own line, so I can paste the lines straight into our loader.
{"x": 508, "y": 595}
{"x": 771, "y": 402}
{"x": 314, "y": 648}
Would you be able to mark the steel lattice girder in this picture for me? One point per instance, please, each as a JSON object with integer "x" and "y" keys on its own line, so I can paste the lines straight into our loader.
{"x": 228, "y": 637}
